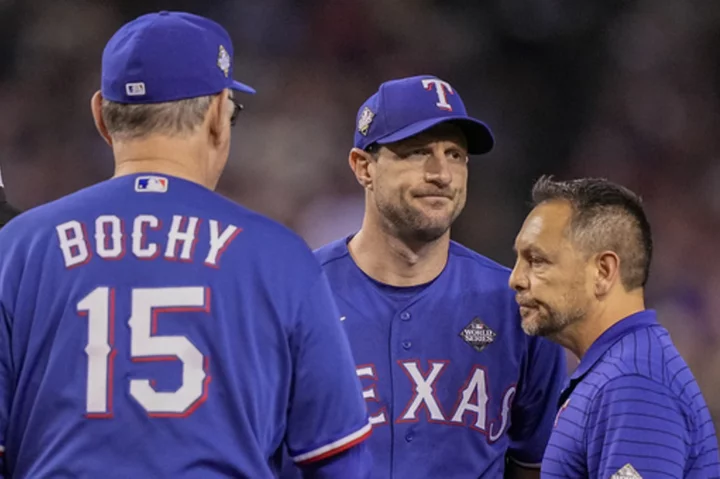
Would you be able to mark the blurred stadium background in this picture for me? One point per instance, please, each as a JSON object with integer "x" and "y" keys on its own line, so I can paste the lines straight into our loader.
{"x": 622, "y": 89}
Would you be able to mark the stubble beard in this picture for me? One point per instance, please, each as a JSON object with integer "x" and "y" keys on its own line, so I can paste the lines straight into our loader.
{"x": 412, "y": 225}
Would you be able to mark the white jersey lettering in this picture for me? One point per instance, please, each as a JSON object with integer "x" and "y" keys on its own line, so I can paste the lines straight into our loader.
{"x": 108, "y": 240}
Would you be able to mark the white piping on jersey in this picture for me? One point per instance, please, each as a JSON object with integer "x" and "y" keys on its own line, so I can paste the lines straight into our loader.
{"x": 320, "y": 451}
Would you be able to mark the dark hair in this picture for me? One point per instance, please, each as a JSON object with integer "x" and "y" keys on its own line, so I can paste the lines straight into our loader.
{"x": 606, "y": 216}
{"x": 373, "y": 149}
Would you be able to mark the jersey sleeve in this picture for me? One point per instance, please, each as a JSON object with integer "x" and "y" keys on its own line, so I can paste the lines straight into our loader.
{"x": 8, "y": 287}
{"x": 6, "y": 383}
{"x": 353, "y": 463}
{"x": 636, "y": 428}
{"x": 327, "y": 412}
{"x": 534, "y": 408}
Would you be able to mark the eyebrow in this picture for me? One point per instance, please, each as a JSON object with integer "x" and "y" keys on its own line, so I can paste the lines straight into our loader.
{"x": 531, "y": 249}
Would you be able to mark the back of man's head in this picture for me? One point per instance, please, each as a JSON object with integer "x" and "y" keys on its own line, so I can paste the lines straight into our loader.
{"x": 164, "y": 68}
{"x": 168, "y": 74}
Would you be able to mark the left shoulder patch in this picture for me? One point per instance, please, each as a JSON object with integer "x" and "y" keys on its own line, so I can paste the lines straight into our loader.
{"x": 626, "y": 472}
{"x": 477, "y": 334}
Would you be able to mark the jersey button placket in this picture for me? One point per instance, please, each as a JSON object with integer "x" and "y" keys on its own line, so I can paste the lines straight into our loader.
{"x": 405, "y": 345}
{"x": 405, "y": 316}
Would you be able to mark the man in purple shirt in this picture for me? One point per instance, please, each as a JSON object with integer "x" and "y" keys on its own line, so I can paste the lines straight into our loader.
{"x": 632, "y": 409}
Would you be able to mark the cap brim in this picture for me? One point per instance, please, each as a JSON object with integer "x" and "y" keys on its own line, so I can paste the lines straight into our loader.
{"x": 236, "y": 85}
{"x": 478, "y": 135}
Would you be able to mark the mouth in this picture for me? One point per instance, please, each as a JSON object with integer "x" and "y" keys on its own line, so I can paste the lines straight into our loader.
{"x": 437, "y": 196}
{"x": 526, "y": 307}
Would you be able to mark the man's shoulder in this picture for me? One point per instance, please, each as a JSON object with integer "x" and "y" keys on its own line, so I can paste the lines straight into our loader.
{"x": 109, "y": 198}
{"x": 40, "y": 219}
{"x": 477, "y": 267}
{"x": 332, "y": 251}
{"x": 647, "y": 353}
{"x": 625, "y": 378}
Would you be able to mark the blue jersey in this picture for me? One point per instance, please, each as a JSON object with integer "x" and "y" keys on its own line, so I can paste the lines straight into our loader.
{"x": 633, "y": 409}
{"x": 151, "y": 328}
{"x": 451, "y": 381}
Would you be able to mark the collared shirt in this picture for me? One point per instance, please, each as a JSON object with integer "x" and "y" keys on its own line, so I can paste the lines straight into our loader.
{"x": 632, "y": 409}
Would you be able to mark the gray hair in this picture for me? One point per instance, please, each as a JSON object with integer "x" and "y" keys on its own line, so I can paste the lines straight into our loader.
{"x": 129, "y": 122}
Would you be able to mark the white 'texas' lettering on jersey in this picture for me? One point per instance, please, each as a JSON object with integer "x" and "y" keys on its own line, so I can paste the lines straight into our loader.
{"x": 470, "y": 409}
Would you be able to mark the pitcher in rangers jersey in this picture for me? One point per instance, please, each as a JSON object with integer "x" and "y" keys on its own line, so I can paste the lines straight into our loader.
{"x": 454, "y": 387}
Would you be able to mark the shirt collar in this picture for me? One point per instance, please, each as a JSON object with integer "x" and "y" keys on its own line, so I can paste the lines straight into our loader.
{"x": 612, "y": 335}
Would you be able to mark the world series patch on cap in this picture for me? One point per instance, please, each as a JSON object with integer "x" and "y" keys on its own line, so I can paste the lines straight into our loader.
{"x": 168, "y": 56}
{"x": 408, "y": 106}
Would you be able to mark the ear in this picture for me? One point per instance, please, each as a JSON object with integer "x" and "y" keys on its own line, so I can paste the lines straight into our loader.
{"x": 96, "y": 108}
{"x": 218, "y": 118}
{"x": 362, "y": 164}
{"x": 607, "y": 273}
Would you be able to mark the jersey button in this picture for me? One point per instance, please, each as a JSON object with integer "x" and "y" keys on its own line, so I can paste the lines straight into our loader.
{"x": 409, "y": 437}
{"x": 406, "y": 344}
{"x": 405, "y": 316}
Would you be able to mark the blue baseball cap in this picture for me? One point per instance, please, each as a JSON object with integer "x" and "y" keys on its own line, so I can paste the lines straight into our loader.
{"x": 168, "y": 56}
{"x": 405, "y": 107}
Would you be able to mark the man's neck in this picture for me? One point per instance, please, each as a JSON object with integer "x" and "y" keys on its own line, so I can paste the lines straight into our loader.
{"x": 580, "y": 336}
{"x": 391, "y": 260}
{"x": 164, "y": 156}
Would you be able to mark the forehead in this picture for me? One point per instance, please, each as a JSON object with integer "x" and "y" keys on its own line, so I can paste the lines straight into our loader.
{"x": 545, "y": 226}
{"x": 442, "y": 132}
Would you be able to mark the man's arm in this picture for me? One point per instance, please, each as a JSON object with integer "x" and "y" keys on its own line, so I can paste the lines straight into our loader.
{"x": 327, "y": 417}
{"x": 8, "y": 291}
{"x": 636, "y": 426}
{"x": 534, "y": 407}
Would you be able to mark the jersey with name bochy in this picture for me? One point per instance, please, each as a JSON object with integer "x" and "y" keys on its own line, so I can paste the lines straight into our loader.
{"x": 150, "y": 327}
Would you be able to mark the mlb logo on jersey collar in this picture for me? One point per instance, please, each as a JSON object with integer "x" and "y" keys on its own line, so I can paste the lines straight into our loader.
{"x": 151, "y": 184}
{"x": 477, "y": 335}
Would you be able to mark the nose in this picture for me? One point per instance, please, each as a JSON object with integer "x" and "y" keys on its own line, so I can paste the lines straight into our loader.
{"x": 518, "y": 279}
{"x": 437, "y": 168}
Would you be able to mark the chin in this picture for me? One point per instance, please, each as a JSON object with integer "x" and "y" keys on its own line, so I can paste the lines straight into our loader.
{"x": 535, "y": 324}
{"x": 530, "y": 327}
{"x": 428, "y": 234}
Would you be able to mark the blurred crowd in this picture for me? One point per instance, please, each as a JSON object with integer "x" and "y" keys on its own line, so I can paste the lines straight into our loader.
{"x": 625, "y": 89}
